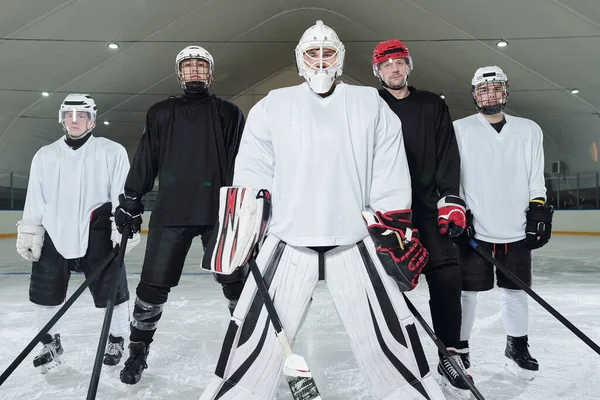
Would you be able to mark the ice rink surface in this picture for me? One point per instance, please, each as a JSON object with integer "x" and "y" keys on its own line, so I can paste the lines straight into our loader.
{"x": 188, "y": 340}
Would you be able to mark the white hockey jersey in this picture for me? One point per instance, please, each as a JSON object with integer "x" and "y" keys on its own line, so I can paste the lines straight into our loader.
{"x": 324, "y": 160}
{"x": 65, "y": 186}
{"x": 500, "y": 174}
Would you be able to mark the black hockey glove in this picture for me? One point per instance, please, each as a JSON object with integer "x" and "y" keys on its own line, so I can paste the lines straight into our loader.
{"x": 470, "y": 230}
{"x": 129, "y": 212}
{"x": 539, "y": 224}
{"x": 397, "y": 245}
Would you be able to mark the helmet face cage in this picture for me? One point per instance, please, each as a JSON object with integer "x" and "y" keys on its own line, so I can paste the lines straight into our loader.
{"x": 318, "y": 62}
{"x": 486, "y": 98}
{"x": 198, "y": 53}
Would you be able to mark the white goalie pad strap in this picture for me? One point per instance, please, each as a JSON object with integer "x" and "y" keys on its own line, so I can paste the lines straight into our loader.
{"x": 243, "y": 219}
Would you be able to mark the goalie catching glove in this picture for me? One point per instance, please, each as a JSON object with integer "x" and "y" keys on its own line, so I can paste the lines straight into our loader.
{"x": 397, "y": 245}
{"x": 243, "y": 219}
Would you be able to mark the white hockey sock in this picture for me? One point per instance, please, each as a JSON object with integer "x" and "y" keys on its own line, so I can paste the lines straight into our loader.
{"x": 469, "y": 309}
{"x": 119, "y": 325}
{"x": 43, "y": 314}
{"x": 515, "y": 312}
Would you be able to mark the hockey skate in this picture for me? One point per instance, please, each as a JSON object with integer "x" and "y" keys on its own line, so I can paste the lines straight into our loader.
{"x": 114, "y": 350}
{"x": 451, "y": 381}
{"x": 136, "y": 363}
{"x": 49, "y": 357}
{"x": 464, "y": 353}
{"x": 518, "y": 359}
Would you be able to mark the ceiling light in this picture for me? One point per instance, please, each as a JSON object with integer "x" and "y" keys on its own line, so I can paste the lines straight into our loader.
{"x": 45, "y": 94}
{"x": 442, "y": 96}
{"x": 106, "y": 123}
{"x": 113, "y": 46}
{"x": 502, "y": 43}
{"x": 575, "y": 91}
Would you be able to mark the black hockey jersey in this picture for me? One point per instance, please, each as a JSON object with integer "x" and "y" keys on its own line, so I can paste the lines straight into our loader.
{"x": 431, "y": 148}
{"x": 190, "y": 142}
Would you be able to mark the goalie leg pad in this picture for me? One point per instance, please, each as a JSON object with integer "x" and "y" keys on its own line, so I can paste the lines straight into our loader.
{"x": 251, "y": 361}
{"x": 382, "y": 331}
{"x": 49, "y": 277}
{"x": 243, "y": 219}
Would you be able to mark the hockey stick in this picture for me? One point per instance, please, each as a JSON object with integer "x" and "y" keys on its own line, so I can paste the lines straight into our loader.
{"x": 110, "y": 306}
{"x": 510, "y": 275}
{"x": 97, "y": 271}
{"x": 295, "y": 369}
{"x": 442, "y": 348}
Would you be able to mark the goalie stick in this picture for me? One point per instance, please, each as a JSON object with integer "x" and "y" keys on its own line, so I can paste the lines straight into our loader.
{"x": 295, "y": 369}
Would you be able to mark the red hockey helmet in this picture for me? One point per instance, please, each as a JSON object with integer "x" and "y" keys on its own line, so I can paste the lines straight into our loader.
{"x": 389, "y": 50}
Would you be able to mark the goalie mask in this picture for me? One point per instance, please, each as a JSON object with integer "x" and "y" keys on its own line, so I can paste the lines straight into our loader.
{"x": 77, "y": 115}
{"x": 320, "y": 57}
{"x": 489, "y": 89}
{"x": 194, "y": 66}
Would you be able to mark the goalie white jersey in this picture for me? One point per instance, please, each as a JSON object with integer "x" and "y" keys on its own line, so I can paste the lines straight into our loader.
{"x": 65, "y": 186}
{"x": 322, "y": 179}
{"x": 324, "y": 160}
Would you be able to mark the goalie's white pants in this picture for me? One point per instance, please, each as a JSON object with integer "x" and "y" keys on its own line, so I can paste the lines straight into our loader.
{"x": 380, "y": 327}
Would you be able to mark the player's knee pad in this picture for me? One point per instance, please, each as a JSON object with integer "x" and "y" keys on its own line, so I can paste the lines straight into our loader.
{"x": 153, "y": 294}
{"x": 146, "y": 315}
{"x": 444, "y": 277}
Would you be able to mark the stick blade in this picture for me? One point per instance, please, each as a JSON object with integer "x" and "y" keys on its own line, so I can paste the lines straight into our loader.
{"x": 299, "y": 378}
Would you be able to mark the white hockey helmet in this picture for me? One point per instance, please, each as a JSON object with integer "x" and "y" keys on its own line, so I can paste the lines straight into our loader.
{"x": 490, "y": 76}
{"x": 77, "y": 103}
{"x": 321, "y": 72}
{"x": 200, "y": 53}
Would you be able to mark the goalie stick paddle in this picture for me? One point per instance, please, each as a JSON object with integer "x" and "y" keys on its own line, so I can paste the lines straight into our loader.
{"x": 295, "y": 369}
{"x": 535, "y": 296}
{"x": 442, "y": 348}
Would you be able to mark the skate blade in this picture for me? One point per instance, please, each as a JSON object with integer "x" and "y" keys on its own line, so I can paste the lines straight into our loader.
{"x": 522, "y": 373}
{"x": 452, "y": 392}
{"x": 50, "y": 367}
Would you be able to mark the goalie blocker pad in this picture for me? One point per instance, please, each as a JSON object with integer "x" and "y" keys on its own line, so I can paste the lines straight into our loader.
{"x": 398, "y": 246}
{"x": 243, "y": 219}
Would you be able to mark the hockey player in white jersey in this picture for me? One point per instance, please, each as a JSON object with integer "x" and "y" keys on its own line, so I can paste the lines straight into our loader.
{"x": 502, "y": 179}
{"x": 73, "y": 189}
{"x": 327, "y": 152}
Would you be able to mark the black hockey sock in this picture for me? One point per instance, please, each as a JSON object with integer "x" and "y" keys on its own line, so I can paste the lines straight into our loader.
{"x": 138, "y": 335}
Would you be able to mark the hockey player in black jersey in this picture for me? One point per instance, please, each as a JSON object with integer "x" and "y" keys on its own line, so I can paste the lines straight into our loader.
{"x": 438, "y": 210}
{"x": 189, "y": 143}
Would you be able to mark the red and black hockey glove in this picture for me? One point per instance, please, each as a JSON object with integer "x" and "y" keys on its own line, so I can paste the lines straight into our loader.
{"x": 539, "y": 224}
{"x": 397, "y": 245}
{"x": 452, "y": 220}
